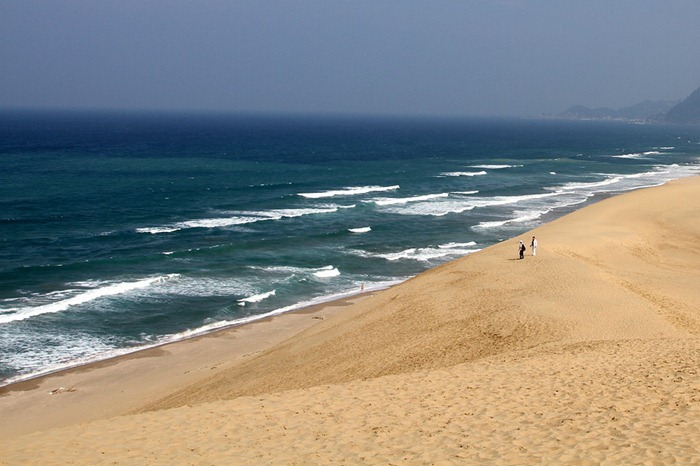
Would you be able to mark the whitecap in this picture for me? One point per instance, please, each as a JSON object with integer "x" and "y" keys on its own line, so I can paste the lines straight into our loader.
{"x": 291, "y": 213}
{"x": 219, "y": 222}
{"x": 434, "y": 208}
{"x": 573, "y": 193}
{"x": 16, "y": 314}
{"x": 157, "y": 230}
{"x": 459, "y": 205}
{"x": 518, "y": 219}
{"x": 463, "y": 173}
{"x": 582, "y": 186}
{"x": 637, "y": 155}
{"x": 423, "y": 254}
{"x": 61, "y": 353}
{"x": 350, "y": 191}
{"x": 456, "y": 245}
{"x": 279, "y": 269}
{"x": 256, "y": 298}
{"x": 620, "y": 182}
{"x": 360, "y": 230}
{"x": 327, "y": 272}
{"x": 405, "y": 200}
{"x": 242, "y": 218}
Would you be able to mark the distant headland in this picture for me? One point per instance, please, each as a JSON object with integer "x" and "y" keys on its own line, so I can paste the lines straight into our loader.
{"x": 686, "y": 111}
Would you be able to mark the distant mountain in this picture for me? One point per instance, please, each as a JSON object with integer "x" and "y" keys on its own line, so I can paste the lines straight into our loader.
{"x": 646, "y": 109}
{"x": 660, "y": 111}
{"x": 639, "y": 112}
{"x": 687, "y": 111}
{"x": 581, "y": 112}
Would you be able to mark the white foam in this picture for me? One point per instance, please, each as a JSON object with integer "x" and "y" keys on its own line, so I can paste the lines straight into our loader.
{"x": 210, "y": 286}
{"x": 587, "y": 186}
{"x": 480, "y": 173}
{"x": 518, "y": 219}
{"x": 574, "y": 193}
{"x": 433, "y": 208}
{"x": 637, "y": 155}
{"x": 488, "y": 225}
{"x": 283, "y": 269}
{"x": 495, "y": 167}
{"x": 506, "y": 200}
{"x": 320, "y": 272}
{"x": 327, "y": 272}
{"x": 292, "y": 213}
{"x": 456, "y": 245}
{"x": 16, "y": 314}
{"x": 157, "y": 230}
{"x": 620, "y": 182}
{"x": 405, "y": 200}
{"x": 40, "y": 361}
{"x": 203, "y": 223}
{"x": 424, "y": 254}
{"x": 459, "y": 205}
{"x": 647, "y": 174}
{"x": 350, "y": 191}
{"x": 283, "y": 310}
{"x": 242, "y": 218}
{"x": 256, "y": 298}
{"x": 219, "y": 222}
{"x": 360, "y": 230}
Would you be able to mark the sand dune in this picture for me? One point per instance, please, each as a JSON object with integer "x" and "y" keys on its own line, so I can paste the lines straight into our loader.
{"x": 608, "y": 402}
{"x": 620, "y": 269}
{"x": 587, "y": 353}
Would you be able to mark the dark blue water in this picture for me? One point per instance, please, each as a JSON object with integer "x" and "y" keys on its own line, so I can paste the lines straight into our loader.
{"x": 123, "y": 231}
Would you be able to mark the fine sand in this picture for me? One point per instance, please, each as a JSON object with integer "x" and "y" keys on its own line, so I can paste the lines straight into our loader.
{"x": 587, "y": 353}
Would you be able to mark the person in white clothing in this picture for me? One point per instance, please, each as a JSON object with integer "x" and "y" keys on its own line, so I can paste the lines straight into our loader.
{"x": 533, "y": 245}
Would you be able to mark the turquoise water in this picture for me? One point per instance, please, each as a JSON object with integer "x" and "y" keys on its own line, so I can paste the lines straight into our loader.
{"x": 124, "y": 231}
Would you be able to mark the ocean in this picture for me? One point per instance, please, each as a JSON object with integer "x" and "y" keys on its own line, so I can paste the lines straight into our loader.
{"x": 125, "y": 231}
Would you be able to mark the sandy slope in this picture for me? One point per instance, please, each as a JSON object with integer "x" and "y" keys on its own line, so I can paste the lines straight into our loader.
{"x": 588, "y": 352}
{"x": 620, "y": 269}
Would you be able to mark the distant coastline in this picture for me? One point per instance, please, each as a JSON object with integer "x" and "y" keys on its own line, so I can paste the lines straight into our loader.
{"x": 686, "y": 111}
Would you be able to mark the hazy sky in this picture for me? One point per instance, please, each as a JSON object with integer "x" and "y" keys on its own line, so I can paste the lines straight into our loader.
{"x": 451, "y": 57}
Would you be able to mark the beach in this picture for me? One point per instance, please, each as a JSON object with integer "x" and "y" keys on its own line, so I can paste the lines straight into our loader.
{"x": 587, "y": 353}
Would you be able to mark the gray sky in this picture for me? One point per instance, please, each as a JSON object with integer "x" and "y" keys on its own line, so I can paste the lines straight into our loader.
{"x": 409, "y": 57}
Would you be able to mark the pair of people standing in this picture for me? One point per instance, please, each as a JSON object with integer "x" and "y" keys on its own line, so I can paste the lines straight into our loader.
{"x": 533, "y": 245}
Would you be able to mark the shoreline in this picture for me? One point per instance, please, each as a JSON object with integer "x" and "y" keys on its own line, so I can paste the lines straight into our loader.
{"x": 133, "y": 354}
{"x": 241, "y": 341}
{"x": 304, "y": 307}
{"x": 588, "y": 349}
{"x": 6, "y": 386}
